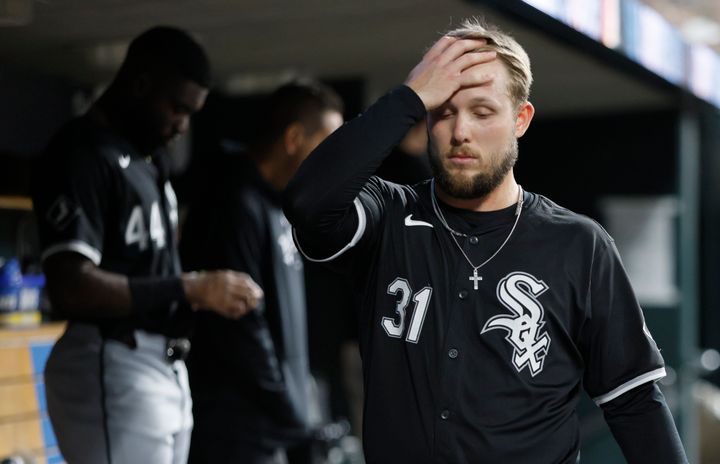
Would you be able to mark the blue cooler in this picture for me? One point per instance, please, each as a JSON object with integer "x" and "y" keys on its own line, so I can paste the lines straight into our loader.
{"x": 19, "y": 295}
{"x": 11, "y": 281}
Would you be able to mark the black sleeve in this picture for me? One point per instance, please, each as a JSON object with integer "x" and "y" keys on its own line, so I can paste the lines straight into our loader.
{"x": 642, "y": 424}
{"x": 72, "y": 195}
{"x": 241, "y": 244}
{"x": 318, "y": 202}
{"x": 234, "y": 235}
{"x": 618, "y": 349}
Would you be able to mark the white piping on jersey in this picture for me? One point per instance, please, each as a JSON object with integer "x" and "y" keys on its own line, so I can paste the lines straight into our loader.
{"x": 362, "y": 222}
{"x": 93, "y": 254}
{"x": 629, "y": 385}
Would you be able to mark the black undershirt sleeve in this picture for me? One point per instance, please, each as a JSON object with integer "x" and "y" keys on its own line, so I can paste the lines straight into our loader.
{"x": 156, "y": 298}
{"x": 318, "y": 202}
{"x": 642, "y": 425}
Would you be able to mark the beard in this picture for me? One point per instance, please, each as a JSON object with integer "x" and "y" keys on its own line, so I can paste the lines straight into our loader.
{"x": 479, "y": 185}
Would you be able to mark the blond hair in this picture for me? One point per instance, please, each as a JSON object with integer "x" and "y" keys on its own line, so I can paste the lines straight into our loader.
{"x": 508, "y": 50}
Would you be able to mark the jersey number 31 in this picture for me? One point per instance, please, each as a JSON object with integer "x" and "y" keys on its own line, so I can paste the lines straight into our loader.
{"x": 422, "y": 300}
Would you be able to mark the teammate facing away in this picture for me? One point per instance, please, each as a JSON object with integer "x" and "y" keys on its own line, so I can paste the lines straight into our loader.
{"x": 250, "y": 377}
{"x": 484, "y": 308}
{"x": 116, "y": 385}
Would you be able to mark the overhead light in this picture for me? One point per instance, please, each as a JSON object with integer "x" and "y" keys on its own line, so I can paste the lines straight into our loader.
{"x": 16, "y": 12}
{"x": 701, "y": 30}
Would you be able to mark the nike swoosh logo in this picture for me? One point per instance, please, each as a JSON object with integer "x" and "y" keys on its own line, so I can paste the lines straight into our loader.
{"x": 409, "y": 221}
{"x": 124, "y": 161}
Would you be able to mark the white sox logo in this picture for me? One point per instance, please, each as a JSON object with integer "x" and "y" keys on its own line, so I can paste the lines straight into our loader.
{"x": 518, "y": 292}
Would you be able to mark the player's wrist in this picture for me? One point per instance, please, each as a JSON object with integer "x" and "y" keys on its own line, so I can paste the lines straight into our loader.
{"x": 193, "y": 287}
{"x": 156, "y": 297}
{"x": 412, "y": 100}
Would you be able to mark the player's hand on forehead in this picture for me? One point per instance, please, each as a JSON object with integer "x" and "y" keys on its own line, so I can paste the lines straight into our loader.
{"x": 451, "y": 64}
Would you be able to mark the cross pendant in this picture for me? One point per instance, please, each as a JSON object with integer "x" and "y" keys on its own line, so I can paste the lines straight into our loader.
{"x": 475, "y": 278}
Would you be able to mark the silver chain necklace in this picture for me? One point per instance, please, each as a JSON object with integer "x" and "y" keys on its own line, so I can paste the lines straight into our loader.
{"x": 453, "y": 233}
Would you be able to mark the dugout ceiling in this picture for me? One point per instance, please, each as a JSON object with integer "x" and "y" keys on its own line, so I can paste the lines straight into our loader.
{"x": 254, "y": 43}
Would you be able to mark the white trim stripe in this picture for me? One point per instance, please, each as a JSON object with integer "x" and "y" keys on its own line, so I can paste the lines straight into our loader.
{"x": 629, "y": 385}
{"x": 362, "y": 223}
{"x": 77, "y": 246}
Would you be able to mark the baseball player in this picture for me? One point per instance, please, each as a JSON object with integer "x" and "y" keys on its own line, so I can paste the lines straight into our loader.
{"x": 485, "y": 308}
{"x": 251, "y": 378}
{"x": 116, "y": 385}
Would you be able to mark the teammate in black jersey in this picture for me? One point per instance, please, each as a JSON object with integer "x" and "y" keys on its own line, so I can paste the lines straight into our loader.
{"x": 485, "y": 309}
{"x": 251, "y": 378}
{"x": 116, "y": 383}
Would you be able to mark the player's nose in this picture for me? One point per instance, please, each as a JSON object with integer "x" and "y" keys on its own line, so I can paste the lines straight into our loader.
{"x": 460, "y": 130}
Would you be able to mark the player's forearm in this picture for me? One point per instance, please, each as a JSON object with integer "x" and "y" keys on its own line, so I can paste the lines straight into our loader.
{"x": 643, "y": 427}
{"x": 326, "y": 184}
{"x": 79, "y": 290}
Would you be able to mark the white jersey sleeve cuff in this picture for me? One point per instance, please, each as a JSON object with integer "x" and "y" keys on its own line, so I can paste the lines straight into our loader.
{"x": 362, "y": 222}
{"x": 77, "y": 246}
{"x": 629, "y": 385}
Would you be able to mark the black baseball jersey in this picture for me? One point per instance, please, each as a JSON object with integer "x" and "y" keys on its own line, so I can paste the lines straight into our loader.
{"x": 461, "y": 369}
{"x": 255, "y": 368}
{"x": 95, "y": 195}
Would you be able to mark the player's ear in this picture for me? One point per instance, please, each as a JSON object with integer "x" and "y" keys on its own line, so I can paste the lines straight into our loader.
{"x": 525, "y": 113}
{"x": 293, "y": 138}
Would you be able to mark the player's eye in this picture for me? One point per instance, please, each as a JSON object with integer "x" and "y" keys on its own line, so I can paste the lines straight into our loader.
{"x": 442, "y": 113}
{"x": 482, "y": 112}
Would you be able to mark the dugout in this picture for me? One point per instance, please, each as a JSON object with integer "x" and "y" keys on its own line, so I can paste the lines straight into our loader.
{"x": 619, "y": 131}
{"x": 617, "y": 136}
{"x": 620, "y": 134}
